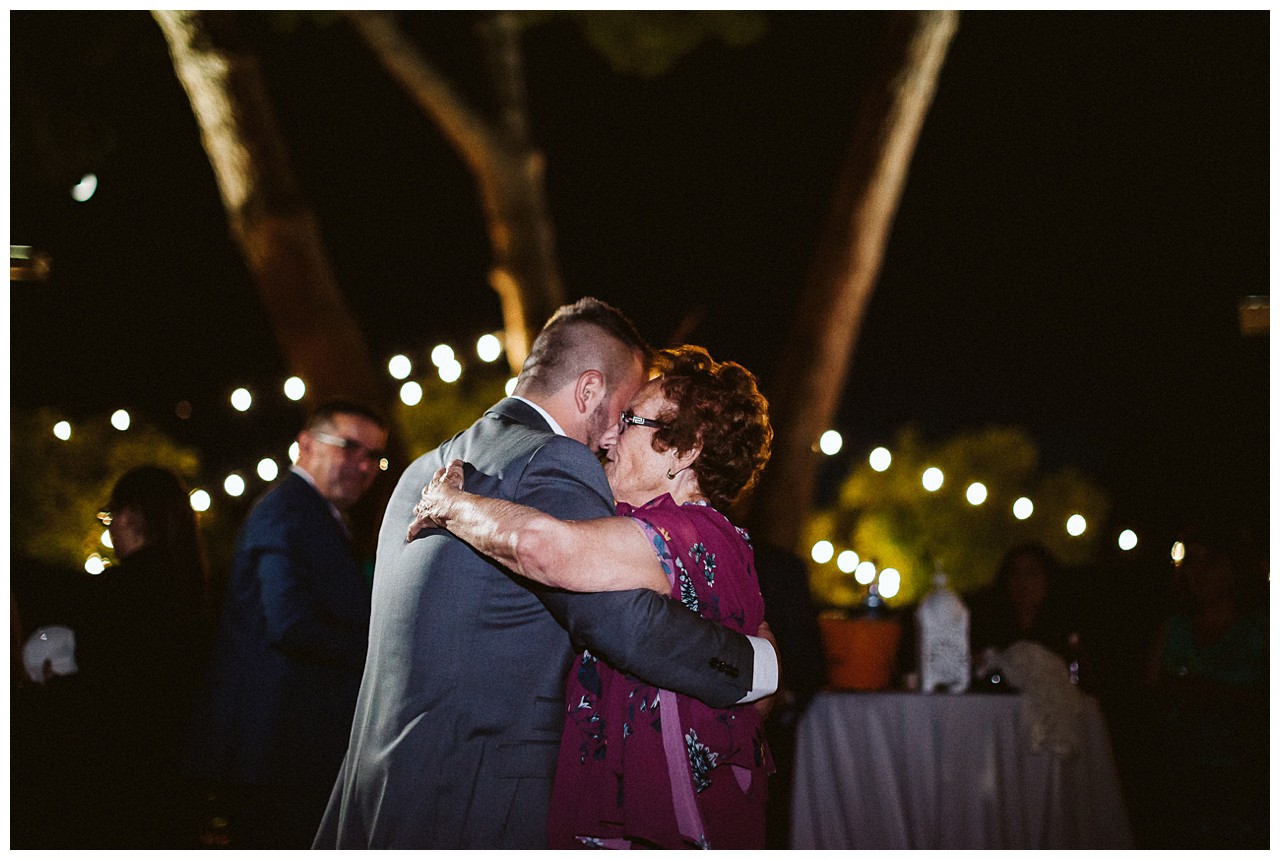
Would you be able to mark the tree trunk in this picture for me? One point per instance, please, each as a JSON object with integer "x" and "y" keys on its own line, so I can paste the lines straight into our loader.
{"x": 275, "y": 229}
{"x": 825, "y": 328}
{"x": 507, "y": 168}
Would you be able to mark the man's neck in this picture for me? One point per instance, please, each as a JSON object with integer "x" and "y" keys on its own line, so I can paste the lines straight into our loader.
{"x": 545, "y": 410}
{"x": 306, "y": 476}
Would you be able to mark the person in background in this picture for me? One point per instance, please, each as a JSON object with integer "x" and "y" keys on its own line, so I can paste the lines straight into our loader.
{"x": 272, "y": 722}
{"x": 1207, "y": 723}
{"x": 115, "y": 713}
{"x": 1026, "y": 602}
{"x": 792, "y": 615}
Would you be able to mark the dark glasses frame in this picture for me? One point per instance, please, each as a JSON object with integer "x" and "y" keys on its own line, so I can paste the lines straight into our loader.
{"x": 629, "y": 417}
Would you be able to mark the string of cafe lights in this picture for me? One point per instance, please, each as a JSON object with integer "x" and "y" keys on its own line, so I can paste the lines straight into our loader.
{"x": 932, "y": 479}
{"x": 489, "y": 349}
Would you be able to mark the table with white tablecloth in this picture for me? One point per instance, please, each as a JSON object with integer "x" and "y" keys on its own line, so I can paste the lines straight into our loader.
{"x": 914, "y": 770}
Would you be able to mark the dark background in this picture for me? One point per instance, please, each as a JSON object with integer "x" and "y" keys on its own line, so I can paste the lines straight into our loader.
{"x": 1087, "y": 205}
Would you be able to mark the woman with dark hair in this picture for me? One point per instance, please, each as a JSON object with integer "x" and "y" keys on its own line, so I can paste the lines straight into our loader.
{"x": 140, "y": 649}
{"x": 153, "y": 529}
{"x": 639, "y": 766}
{"x": 1024, "y": 603}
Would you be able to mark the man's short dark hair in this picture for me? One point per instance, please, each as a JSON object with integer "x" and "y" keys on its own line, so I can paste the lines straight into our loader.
{"x": 550, "y": 363}
{"x": 323, "y": 414}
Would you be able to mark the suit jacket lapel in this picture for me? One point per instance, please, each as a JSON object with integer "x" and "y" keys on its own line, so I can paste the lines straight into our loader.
{"x": 321, "y": 504}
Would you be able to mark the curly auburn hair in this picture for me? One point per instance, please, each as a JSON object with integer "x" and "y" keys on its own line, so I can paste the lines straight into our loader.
{"x": 716, "y": 406}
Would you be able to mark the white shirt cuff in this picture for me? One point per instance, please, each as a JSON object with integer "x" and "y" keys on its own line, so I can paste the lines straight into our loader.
{"x": 764, "y": 678}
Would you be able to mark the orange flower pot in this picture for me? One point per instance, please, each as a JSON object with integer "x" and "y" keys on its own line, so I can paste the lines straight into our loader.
{"x": 860, "y": 651}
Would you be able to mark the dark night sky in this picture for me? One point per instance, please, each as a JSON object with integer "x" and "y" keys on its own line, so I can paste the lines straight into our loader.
{"x": 1088, "y": 202}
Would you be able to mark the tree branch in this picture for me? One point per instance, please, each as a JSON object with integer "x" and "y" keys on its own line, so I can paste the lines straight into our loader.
{"x": 469, "y": 132}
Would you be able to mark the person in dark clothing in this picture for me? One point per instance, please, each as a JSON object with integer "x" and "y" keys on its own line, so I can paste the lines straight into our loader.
{"x": 109, "y": 736}
{"x": 140, "y": 657}
{"x": 273, "y": 719}
{"x": 1026, "y": 602}
{"x": 791, "y": 614}
{"x": 1206, "y": 717}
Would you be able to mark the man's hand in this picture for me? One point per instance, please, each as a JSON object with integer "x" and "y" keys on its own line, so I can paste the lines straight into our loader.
{"x": 765, "y": 705}
{"x": 432, "y": 511}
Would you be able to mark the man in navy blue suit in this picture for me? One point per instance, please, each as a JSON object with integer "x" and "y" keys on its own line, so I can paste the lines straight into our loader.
{"x": 272, "y": 723}
{"x": 457, "y": 730}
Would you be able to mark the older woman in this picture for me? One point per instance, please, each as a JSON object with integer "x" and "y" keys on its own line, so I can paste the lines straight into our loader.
{"x": 640, "y": 766}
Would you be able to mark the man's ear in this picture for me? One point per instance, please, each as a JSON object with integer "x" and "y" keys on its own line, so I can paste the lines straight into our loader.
{"x": 588, "y": 391}
{"x": 306, "y": 447}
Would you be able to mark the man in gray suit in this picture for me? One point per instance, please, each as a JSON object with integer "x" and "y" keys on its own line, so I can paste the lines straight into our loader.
{"x": 458, "y": 724}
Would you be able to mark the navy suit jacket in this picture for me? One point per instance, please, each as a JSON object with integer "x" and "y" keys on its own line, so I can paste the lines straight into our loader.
{"x": 290, "y": 647}
{"x": 456, "y": 733}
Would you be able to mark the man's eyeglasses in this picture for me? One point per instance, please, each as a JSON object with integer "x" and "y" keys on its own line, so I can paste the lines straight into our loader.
{"x": 630, "y": 417}
{"x": 351, "y": 446}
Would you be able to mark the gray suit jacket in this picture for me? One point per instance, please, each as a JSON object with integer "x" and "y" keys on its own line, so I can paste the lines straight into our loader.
{"x": 458, "y": 723}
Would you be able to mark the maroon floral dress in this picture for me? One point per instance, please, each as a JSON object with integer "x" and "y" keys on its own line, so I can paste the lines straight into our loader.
{"x": 641, "y": 767}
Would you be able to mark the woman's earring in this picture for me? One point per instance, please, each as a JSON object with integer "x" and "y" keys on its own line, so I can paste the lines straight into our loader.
{"x": 671, "y": 476}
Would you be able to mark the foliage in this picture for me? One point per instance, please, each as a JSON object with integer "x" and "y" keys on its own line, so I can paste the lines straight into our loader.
{"x": 889, "y": 518}
{"x": 648, "y": 43}
{"x": 58, "y": 487}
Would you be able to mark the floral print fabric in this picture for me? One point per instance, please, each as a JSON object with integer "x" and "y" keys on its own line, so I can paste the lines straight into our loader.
{"x": 613, "y": 784}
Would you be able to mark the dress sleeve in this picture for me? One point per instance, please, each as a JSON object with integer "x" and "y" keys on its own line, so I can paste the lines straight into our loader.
{"x": 708, "y": 560}
{"x": 660, "y": 547}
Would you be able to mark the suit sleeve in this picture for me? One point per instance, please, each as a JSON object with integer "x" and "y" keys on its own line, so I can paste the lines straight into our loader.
{"x": 639, "y": 632}
{"x": 298, "y": 625}
{"x": 301, "y": 621}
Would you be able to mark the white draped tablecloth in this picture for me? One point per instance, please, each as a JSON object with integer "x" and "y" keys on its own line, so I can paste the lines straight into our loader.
{"x": 910, "y": 770}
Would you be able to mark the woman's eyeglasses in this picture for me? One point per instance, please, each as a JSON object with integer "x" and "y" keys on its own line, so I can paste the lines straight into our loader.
{"x": 630, "y": 417}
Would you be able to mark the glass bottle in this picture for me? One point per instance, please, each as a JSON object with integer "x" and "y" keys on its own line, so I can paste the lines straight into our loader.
{"x": 942, "y": 622}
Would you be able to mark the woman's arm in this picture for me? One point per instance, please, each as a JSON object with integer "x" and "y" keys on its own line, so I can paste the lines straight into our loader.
{"x": 606, "y": 554}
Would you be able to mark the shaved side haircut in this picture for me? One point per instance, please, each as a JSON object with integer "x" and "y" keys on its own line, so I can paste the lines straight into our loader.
{"x": 586, "y": 335}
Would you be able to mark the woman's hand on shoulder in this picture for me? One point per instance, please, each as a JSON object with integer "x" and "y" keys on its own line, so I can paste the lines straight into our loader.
{"x": 432, "y": 510}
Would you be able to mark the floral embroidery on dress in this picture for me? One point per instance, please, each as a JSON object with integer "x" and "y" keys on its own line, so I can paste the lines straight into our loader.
{"x": 589, "y": 674}
{"x": 661, "y": 549}
{"x": 609, "y": 711}
{"x": 650, "y": 707}
{"x": 688, "y": 595}
{"x": 701, "y": 761}
{"x": 593, "y": 742}
{"x": 699, "y": 554}
{"x": 585, "y": 715}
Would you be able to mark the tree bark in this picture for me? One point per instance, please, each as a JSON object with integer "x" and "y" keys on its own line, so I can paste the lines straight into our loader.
{"x": 507, "y": 168}
{"x": 275, "y": 229}
{"x": 825, "y": 327}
